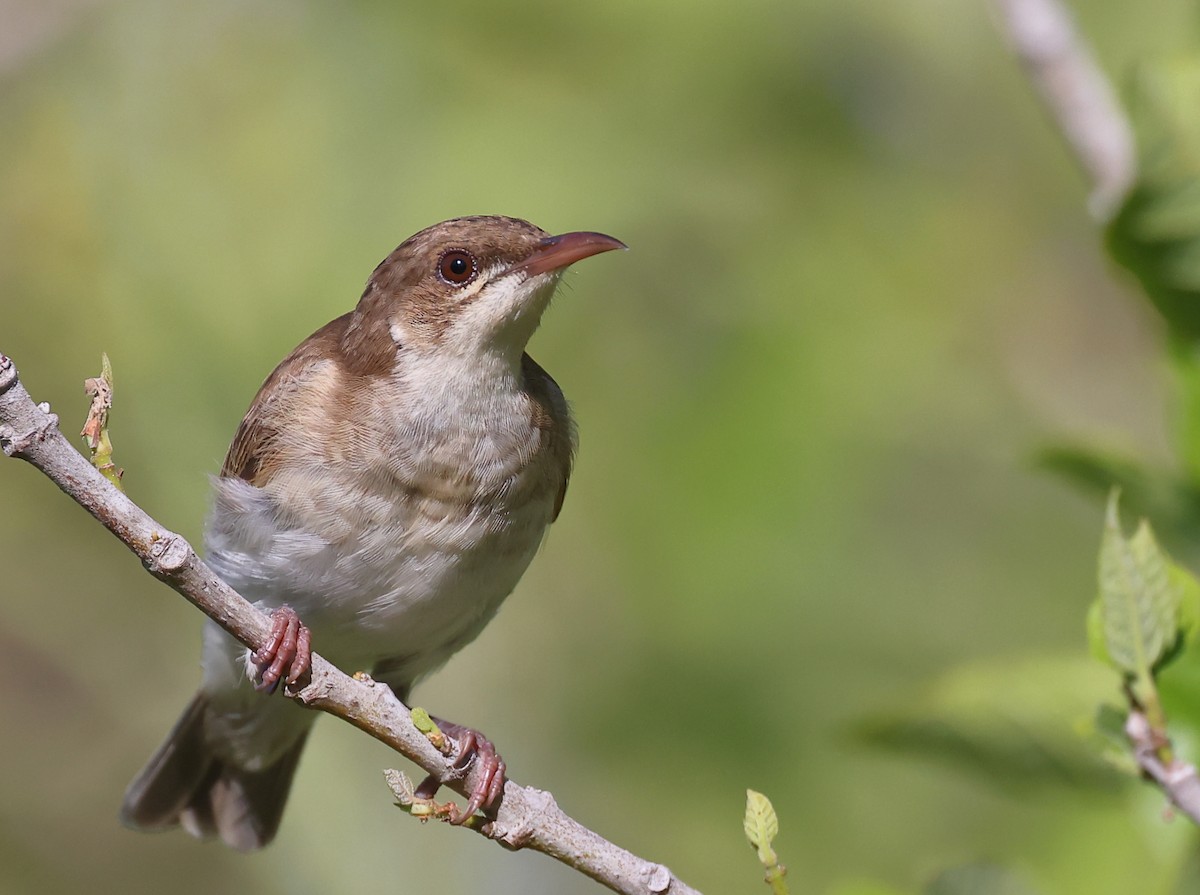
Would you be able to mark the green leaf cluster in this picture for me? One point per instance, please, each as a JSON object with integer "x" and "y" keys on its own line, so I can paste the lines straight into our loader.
{"x": 1054, "y": 720}
{"x": 1018, "y": 725}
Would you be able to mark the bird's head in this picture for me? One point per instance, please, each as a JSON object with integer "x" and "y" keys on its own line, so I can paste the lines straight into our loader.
{"x": 472, "y": 285}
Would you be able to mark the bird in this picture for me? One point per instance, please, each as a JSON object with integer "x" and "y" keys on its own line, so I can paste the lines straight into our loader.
{"x": 384, "y": 493}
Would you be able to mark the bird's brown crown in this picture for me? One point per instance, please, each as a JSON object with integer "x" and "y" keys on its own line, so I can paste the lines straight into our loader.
{"x": 430, "y": 278}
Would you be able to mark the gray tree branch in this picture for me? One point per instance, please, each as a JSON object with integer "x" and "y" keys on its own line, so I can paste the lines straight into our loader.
{"x": 1077, "y": 95}
{"x": 527, "y": 817}
{"x": 1176, "y": 778}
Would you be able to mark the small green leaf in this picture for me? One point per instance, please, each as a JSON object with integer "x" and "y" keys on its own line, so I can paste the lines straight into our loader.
{"x": 401, "y": 787}
{"x": 761, "y": 826}
{"x": 426, "y": 725}
{"x": 1139, "y": 602}
{"x": 422, "y": 721}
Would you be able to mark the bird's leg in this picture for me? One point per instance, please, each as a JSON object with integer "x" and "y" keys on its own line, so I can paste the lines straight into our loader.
{"x": 472, "y": 746}
{"x": 289, "y": 649}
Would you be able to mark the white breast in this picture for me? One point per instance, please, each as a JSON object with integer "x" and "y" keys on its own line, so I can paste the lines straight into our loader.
{"x": 404, "y": 545}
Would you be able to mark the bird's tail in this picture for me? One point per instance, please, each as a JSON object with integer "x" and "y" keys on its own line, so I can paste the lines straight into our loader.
{"x": 187, "y": 784}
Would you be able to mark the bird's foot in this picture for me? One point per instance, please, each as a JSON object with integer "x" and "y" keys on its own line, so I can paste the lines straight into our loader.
{"x": 472, "y": 746}
{"x": 288, "y": 650}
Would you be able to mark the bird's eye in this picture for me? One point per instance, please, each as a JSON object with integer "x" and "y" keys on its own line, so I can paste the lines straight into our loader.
{"x": 457, "y": 267}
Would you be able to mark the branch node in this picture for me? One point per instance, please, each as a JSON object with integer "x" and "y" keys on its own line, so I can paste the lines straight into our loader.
{"x": 516, "y": 833}
{"x": 14, "y": 443}
{"x": 514, "y": 838}
{"x": 168, "y": 553}
{"x": 318, "y": 689}
{"x": 658, "y": 878}
{"x": 8, "y": 373}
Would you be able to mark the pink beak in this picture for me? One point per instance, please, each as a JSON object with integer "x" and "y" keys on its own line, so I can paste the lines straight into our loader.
{"x": 557, "y": 252}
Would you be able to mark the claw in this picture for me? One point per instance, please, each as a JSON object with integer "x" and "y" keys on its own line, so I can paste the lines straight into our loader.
{"x": 472, "y": 746}
{"x": 289, "y": 650}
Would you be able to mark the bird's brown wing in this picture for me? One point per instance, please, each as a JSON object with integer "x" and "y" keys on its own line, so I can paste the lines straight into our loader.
{"x": 255, "y": 450}
{"x": 551, "y": 414}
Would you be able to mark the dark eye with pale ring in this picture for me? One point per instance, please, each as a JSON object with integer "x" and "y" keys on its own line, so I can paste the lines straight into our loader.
{"x": 457, "y": 267}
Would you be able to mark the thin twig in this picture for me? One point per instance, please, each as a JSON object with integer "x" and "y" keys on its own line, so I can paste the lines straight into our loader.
{"x": 1176, "y": 778}
{"x": 527, "y": 818}
{"x": 1077, "y": 95}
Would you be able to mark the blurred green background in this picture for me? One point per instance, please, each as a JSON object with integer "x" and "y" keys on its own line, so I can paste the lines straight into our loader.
{"x": 863, "y": 290}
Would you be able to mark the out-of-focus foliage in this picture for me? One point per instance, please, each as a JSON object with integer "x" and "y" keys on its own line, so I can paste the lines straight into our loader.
{"x": 1022, "y": 725}
{"x": 978, "y": 879}
{"x": 1156, "y": 234}
{"x": 862, "y": 288}
{"x": 1168, "y": 498}
{"x": 969, "y": 879}
{"x": 1145, "y": 620}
